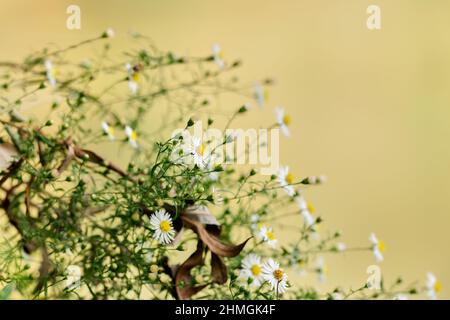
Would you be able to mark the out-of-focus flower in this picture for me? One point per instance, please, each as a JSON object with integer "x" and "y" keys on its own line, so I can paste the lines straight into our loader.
{"x": 377, "y": 247}
{"x": 108, "y": 130}
{"x": 132, "y": 136}
{"x": 434, "y": 286}
{"x": 51, "y": 72}
{"x": 283, "y": 121}
{"x": 261, "y": 94}
{"x": 285, "y": 178}
{"x": 218, "y": 56}
{"x": 305, "y": 210}
{"x": 266, "y": 234}
{"x": 133, "y": 77}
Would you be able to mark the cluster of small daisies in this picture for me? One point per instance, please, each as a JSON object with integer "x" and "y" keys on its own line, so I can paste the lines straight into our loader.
{"x": 256, "y": 272}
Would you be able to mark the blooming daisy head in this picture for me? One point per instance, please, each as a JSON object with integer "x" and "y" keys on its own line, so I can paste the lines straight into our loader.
{"x": 252, "y": 268}
{"x": 283, "y": 121}
{"x": 51, "y": 73}
{"x": 377, "y": 247}
{"x": 133, "y": 77}
{"x": 261, "y": 94}
{"x": 266, "y": 234}
{"x": 305, "y": 210}
{"x": 434, "y": 286}
{"x": 161, "y": 224}
{"x": 108, "y": 130}
{"x": 132, "y": 136}
{"x": 286, "y": 179}
{"x": 218, "y": 56}
{"x": 197, "y": 150}
{"x": 275, "y": 276}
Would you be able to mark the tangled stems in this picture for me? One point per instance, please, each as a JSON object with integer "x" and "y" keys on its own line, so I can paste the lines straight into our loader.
{"x": 75, "y": 224}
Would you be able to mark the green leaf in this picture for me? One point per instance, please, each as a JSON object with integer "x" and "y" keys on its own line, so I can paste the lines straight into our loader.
{"x": 6, "y": 291}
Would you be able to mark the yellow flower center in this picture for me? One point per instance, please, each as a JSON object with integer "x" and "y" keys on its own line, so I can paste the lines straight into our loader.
{"x": 165, "y": 226}
{"x": 133, "y": 135}
{"x": 270, "y": 235}
{"x": 311, "y": 208}
{"x": 110, "y": 130}
{"x": 437, "y": 287}
{"x": 278, "y": 274}
{"x": 287, "y": 120}
{"x": 256, "y": 270}
{"x": 135, "y": 76}
{"x": 381, "y": 246}
{"x": 201, "y": 149}
{"x": 289, "y": 178}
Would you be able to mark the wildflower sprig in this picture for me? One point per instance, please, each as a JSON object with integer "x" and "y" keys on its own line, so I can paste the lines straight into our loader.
{"x": 98, "y": 202}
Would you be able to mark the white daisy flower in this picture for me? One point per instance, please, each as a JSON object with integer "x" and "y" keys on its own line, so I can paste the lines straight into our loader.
{"x": 283, "y": 121}
{"x": 266, "y": 234}
{"x": 377, "y": 247}
{"x": 337, "y": 296}
{"x": 276, "y": 277}
{"x": 73, "y": 280}
{"x": 252, "y": 268}
{"x": 218, "y": 56}
{"x": 261, "y": 94}
{"x": 434, "y": 286}
{"x": 108, "y": 130}
{"x": 305, "y": 210}
{"x": 51, "y": 73}
{"x": 285, "y": 178}
{"x": 132, "y": 136}
{"x": 161, "y": 224}
{"x": 197, "y": 150}
{"x": 133, "y": 78}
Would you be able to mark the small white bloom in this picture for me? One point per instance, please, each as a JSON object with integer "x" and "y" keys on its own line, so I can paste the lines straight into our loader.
{"x": 108, "y": 130}
{"x": 218, "y": 56}
{"x": 73, "y": 280}
{"x": 197, "y": 150}
{"x": 276, "y": 276}
{"x": 161, "y": 224}
{"x": 283, "y": 121}
{"x": 434, "y": 286}
{"x": 261, "y": 94}
{"x": 266, "y": 234}
{"x": 305, "y": 210}
{"x": 337, "y": 296}
{"x": 341, "y": 247}
{"x": 110, "y": 33}
{"x": 252, "y": 268}
{"x": 133, "y": 78}
{"x": 285, "y": 178}
{"x": 377, "y": 247}
{"x": 132, "y": 136}
{"x": 254, "y": 220}
{"x": 51, "y": 73}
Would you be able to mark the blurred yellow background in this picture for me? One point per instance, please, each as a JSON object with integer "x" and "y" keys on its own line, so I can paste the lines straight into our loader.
{"x": 370, "y": 109}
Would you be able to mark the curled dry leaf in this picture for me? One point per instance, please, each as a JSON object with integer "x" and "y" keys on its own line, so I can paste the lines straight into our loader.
{"x": 200, "y": 220}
